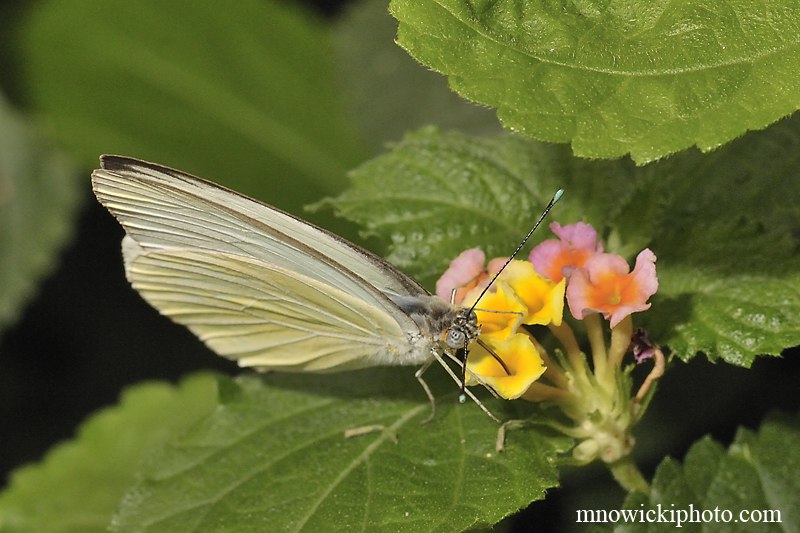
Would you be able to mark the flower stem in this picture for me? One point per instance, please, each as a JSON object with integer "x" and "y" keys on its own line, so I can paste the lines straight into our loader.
{"x": 620, "y": 341}
{"x": 539, "y": 392}
{"x": 628, "y": 475}
{"x": 554, "y": 371}
{"x": 594, "y": 330}
{"x": 566, "y": 336}
{"x": 652, "y": 377}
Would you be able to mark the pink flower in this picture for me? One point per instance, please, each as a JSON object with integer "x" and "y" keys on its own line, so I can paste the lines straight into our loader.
{"x": 462, "y": 274}
{"x": 605, "y": 285}
{"x": 555, "y": 259}
{"x": 466, "y": 272}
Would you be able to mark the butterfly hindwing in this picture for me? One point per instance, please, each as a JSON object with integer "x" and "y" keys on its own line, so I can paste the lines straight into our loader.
{"x": 266, "y": 317}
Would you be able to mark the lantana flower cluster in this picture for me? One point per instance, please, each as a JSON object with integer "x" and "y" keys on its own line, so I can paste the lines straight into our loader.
{"x": 530, "y": 294}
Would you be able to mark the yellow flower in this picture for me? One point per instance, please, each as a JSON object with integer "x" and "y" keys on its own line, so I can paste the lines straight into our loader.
{"x": 543, "y": 298}
{"x": 524, "y": 365}
{"x": 499, "y": 312}
{"x": 519, "y": 296}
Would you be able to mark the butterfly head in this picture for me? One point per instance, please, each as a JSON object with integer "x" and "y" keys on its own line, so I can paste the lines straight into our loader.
{"x": 463, "y": 330}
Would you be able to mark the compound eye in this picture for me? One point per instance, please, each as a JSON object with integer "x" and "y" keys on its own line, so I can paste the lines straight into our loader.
{"x": 455, "y": 339}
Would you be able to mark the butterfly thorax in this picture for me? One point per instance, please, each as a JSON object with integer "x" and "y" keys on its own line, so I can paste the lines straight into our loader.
{"x": 451, "y": 326}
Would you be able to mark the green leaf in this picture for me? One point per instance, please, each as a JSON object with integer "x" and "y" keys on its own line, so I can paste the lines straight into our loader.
{"x": 273, "y": 456}
{"x": 38, "y": 198}
{"x": 730, "y": 266}
{"x": 436, "y": 194}
{"x": 614, "y": 78}
{"x": 727, "y": 267}
{"x": 733, "y": 317}
{"x": 388, "y": 94}
{"x": 757, "y": 473}
{"x": 79, "y": 483}
{"x": 244, "y": 95}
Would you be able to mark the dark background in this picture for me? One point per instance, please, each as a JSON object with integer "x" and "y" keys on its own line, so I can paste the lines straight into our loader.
{"x": 87, "y": 334}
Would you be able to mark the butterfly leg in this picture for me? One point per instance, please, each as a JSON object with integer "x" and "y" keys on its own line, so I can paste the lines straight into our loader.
{"x": 458, "y": 382}
{"x": 458, "y": 361}
{"x": 418, "y": 375}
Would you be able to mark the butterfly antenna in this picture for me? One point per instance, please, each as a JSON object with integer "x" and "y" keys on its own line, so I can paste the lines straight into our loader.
{"x": 556, "y": 197}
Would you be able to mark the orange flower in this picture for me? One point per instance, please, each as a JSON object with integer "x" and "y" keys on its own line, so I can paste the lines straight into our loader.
{"x": 605, "y": 285}
{"x": 555, "y": 259}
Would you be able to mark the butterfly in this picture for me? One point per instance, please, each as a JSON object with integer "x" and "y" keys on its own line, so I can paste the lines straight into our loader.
{"x": 270, "y": 290}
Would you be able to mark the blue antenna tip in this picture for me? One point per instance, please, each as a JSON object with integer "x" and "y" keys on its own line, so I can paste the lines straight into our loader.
{"x": 557, "y": 196}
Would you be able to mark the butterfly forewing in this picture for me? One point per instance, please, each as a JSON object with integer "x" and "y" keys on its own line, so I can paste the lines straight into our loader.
{"x": 165, "y": 208}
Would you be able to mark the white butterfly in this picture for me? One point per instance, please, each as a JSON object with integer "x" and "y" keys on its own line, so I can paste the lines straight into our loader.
{"x": 270, "y": 290}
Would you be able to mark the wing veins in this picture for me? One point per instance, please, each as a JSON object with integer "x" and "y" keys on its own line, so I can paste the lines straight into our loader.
{"x": 191, "y": 292}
